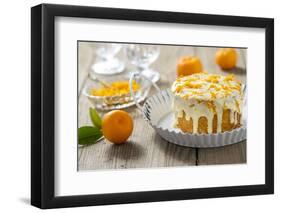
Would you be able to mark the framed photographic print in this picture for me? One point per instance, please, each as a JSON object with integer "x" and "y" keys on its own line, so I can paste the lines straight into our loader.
{"x": 139, "y": 106}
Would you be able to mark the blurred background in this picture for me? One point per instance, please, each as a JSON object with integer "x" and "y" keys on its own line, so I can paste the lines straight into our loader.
{"x": 107, "y": 60}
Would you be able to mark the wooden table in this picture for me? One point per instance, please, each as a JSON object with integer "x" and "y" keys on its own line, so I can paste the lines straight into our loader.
{"x": 145, "y": 148}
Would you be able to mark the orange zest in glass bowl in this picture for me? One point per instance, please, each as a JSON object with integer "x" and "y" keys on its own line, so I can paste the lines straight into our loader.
{"x": 115, "y": 88}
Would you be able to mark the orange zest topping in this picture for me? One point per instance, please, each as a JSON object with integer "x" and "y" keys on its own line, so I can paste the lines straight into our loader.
{"x": 192, "y": 85}
{"x": 229, "y": 78}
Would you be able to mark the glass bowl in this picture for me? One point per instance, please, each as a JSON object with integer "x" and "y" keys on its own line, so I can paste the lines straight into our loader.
{"x": 116, "y": 101}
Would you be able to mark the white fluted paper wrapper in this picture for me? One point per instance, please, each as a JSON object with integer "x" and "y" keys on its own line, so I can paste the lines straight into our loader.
{"x": 157, "y": 110}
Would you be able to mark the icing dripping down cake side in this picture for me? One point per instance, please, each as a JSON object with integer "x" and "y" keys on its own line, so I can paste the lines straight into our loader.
{"x": 207, "y": 103}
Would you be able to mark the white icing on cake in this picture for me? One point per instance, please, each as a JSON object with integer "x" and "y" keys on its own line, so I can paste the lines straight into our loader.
{"x": 204, "y": 95}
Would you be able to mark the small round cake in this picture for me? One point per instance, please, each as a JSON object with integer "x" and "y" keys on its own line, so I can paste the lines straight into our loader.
{"x": 207, "y": 103}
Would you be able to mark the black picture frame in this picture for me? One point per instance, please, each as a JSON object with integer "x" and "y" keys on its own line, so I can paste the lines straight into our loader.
{"x": 43, "y": 105}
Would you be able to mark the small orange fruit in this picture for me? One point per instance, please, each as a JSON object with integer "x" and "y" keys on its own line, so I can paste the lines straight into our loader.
{"x": 226, "y": 58}
{"x": 189, "y": 65}
{"x": 117, "y": 126}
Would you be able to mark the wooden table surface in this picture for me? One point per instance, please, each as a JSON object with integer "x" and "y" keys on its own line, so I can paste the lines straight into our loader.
{"x": 145, "y": 148}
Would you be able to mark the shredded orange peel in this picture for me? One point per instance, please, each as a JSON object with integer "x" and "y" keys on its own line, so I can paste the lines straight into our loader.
{"x": 115, "y": 88}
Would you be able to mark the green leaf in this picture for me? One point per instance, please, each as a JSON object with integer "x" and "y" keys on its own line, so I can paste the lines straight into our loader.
{"x": 88, "y": 135}
{"x": 95, "y": 118}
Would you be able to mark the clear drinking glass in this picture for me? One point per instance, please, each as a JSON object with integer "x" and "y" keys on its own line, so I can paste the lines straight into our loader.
{"x": 106, "y": 63}
{"x": 142, "y": 56}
